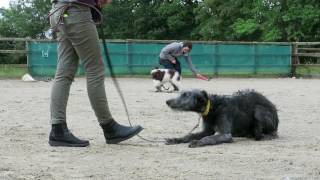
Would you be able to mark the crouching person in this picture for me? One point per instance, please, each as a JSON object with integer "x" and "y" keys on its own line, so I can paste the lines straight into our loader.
{"x": 169, "y": 54}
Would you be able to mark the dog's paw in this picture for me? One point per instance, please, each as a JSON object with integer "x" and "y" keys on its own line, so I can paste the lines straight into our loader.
{"x": 170, "y": 141}
{"x": 195, "y": 143}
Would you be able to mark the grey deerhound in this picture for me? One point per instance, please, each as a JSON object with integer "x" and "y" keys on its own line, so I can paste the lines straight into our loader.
{"x": 243, "y": 114}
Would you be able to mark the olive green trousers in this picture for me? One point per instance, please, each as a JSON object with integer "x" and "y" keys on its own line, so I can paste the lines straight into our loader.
{"x": 78, "y": 41}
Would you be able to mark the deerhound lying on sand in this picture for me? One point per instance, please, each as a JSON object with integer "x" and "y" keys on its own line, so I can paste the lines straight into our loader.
{"x": 244, "y": 114}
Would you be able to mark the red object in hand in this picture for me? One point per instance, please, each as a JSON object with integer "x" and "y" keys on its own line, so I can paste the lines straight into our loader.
{"x": 202, "y": 77}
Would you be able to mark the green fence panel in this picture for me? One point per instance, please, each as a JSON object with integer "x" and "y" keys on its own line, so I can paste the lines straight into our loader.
{"x": 143, "y": 57}
{"x": 236, "y": 59}
{"x": 133, "y": 58}
{"x": 273, "y": 59}
{"x": 42, "y": 58}
{"x": 118, "y": 54}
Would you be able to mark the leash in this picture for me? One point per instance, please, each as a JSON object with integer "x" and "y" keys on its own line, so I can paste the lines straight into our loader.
{"x": 99, "y": 21}
{"x": 116, "y": 84}
{"x": 53, "y": 29}
{"x": 51, "y": 32}
{"x": 196, "y": 126}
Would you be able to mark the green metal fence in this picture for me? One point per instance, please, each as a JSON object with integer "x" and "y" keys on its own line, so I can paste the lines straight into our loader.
{"x": 137, "y": 57}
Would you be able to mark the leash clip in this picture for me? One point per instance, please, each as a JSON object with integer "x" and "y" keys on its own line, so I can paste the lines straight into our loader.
{"x": 50, "y": 34}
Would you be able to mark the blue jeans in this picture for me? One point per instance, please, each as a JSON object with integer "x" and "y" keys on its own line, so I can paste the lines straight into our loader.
{"x": 167, "y": 64}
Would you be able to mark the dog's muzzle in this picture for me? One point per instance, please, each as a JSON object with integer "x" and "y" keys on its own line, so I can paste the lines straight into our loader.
{"x": 175, "y": 105}
{"x": 169, "y": 102}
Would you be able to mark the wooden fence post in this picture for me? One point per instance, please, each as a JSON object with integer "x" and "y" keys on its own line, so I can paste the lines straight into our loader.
{"x": 294, "y": 59}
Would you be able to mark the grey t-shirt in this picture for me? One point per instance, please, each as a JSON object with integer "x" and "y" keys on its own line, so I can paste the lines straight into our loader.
{"x": 174, "y": 50}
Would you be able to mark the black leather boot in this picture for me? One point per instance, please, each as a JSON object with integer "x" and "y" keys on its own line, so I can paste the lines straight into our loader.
{"x": 115, "y": 133}
{"x": 61, "y": 136}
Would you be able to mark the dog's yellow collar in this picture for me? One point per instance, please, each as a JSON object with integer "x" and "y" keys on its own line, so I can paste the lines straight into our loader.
{"x": 206, "y": 111}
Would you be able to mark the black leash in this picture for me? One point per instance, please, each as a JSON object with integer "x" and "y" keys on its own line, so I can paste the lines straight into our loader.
{"x": 98, "y": 15}
{"x": 116, "y": 83}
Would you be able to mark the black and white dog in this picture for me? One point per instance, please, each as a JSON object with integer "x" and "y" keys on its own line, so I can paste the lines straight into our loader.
{"x": 162, "y": 76}
{"x": 243, "y": 114}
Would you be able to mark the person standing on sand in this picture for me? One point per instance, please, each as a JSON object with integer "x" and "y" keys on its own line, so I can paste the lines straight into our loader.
{"x": 77, "y": 36}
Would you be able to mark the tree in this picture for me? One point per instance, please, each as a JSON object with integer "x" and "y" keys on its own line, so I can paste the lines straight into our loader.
{"x": 150, "y": 19}
{"x": 259, "y": 20}
{"x": 25, "y": 18}
{"x": 178, "y": 18}
{"x": 241, "y": 20}
{"x": 302, "y": 20}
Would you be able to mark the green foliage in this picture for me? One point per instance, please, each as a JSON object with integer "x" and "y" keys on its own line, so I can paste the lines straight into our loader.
{"x": 12, "y": 71}
{"x": 259, "y": 20}
{"x": 244, "y": 29}
{"x": 25, "y": 18}
{"x": 177, "y": 18}
{"x": 12, "y": 58}
{"x": 149, "y": 19}
{"x": 303, "y": 21}
{"x": 118, "y": 21}
{"x": 240, "y": 20}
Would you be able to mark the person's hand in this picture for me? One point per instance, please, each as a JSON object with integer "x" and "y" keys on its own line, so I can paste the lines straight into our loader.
{"x": 173, "y": 61}
{"x": 103, "y": 2}
{"x": 202, "y": 77}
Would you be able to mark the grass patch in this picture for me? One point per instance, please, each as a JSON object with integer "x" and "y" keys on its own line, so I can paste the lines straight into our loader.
{"x": 13, "y": 70}
{"x": 18, "y": 70}
{"x": 308, "y": 71}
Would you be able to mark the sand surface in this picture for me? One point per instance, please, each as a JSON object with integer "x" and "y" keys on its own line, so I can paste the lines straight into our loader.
{"x": 24, "y": 129}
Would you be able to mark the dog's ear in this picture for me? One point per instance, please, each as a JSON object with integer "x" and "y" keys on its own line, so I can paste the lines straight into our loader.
{"x": 205, "y": 94}
{"x": 202, "y": 98}
{"x": 158, "y": 75}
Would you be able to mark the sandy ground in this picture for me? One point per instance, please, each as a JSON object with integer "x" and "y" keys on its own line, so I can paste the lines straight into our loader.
{"x": 24, "y": 128}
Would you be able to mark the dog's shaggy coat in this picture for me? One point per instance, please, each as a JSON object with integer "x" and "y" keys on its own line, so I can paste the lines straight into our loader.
{"x": 162, "y": 76}
{"x": 244, "y": 114}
